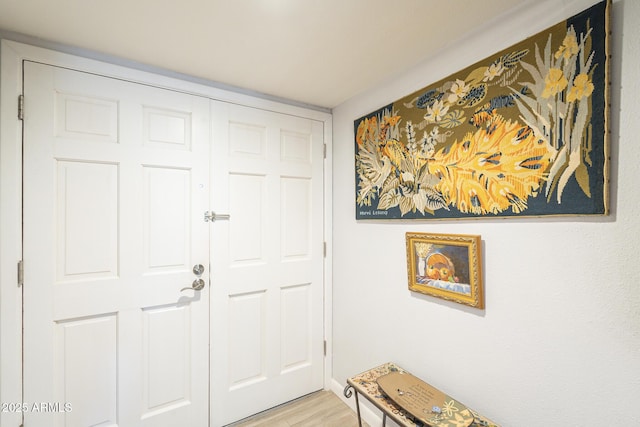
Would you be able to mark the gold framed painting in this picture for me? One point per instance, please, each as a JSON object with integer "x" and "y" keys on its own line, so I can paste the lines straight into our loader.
{"x": 447, "y": 266}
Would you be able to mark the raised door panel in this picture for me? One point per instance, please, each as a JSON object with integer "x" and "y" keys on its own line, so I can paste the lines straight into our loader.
{"x": 90, "y": 118}
{"x": 296, "y": 327}
{"x": 87, "y": 198}
{"x": 247, "y": 204}
{"x": 167, "y": 219}
{"x": 295, "y": 218}
{"x": 248, "y": 339}
{"x": 166, "y": 343}
{"x": 86, "y": 366}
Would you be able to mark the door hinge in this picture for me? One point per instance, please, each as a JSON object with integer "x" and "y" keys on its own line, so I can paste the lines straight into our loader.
{"x": 325, "y": 347}
{"x": 324, "y": 151}
{"x": 324, "y": 249}
{"x": 21, "y": 107}
{"x": 20, "y": 273}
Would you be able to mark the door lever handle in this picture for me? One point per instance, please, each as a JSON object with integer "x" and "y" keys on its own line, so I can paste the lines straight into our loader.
{"x": 197, "y": 285}
{"x": 212, "y": 216}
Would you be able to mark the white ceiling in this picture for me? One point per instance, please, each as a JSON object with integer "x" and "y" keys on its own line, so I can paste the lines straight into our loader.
{"x": 315, "y": 52}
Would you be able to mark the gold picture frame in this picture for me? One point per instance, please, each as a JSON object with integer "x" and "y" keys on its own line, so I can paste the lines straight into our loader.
{"x": 447, "y": 266}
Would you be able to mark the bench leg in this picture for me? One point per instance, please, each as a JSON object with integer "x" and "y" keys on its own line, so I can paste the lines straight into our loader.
{"x": 348, "y": 392}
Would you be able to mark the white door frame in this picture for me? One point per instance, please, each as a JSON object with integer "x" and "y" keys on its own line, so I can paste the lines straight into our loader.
{"x": 12, "y": 54}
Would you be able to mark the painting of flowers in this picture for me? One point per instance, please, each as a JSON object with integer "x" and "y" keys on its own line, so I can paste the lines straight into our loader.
{"x": 446, "y": 266}
{"x": 521, "y": 133}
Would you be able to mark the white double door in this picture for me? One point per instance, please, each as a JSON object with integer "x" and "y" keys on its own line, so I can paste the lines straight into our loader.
{"x": 117, "y": 178}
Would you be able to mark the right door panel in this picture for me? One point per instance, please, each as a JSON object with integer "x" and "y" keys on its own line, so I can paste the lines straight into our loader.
{"x": 267, "y": 261}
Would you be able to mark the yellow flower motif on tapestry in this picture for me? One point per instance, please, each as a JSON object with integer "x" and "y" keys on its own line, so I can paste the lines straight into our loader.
{"x": 367, "y": 130}
{"x": 458, "y": 90}
{"x": 569, "y": 47}
{"x": 555, "y": 82}
{"x": 582, "y": 88}
{"x": 436, "y": 111}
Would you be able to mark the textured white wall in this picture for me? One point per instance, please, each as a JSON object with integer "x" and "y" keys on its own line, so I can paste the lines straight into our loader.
{"x": 559, "y": 341}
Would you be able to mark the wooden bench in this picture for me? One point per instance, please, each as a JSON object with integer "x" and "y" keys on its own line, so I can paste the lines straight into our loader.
{"x": 365, "y": 385}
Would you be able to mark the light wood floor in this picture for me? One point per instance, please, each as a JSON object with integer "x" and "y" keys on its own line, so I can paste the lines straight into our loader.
{"x": 320, "y": 409}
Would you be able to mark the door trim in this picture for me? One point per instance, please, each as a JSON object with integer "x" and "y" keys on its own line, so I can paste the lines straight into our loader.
{"x": 11, "y": 232}
{"x": 12, "y": 54}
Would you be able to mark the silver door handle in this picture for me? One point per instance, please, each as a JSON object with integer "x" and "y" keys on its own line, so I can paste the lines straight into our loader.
{"x": 197, "y": 285}
{"x": 212, "y": 216}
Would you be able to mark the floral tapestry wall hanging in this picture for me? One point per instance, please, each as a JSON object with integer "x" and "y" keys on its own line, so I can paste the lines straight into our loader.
{"x": 521, "y": 133}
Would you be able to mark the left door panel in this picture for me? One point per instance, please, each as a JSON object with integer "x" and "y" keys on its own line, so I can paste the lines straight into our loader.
{"x": 116, "y": 178}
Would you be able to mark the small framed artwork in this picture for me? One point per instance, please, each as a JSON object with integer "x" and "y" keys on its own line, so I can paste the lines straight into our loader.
{"x": 447, "y": 266}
